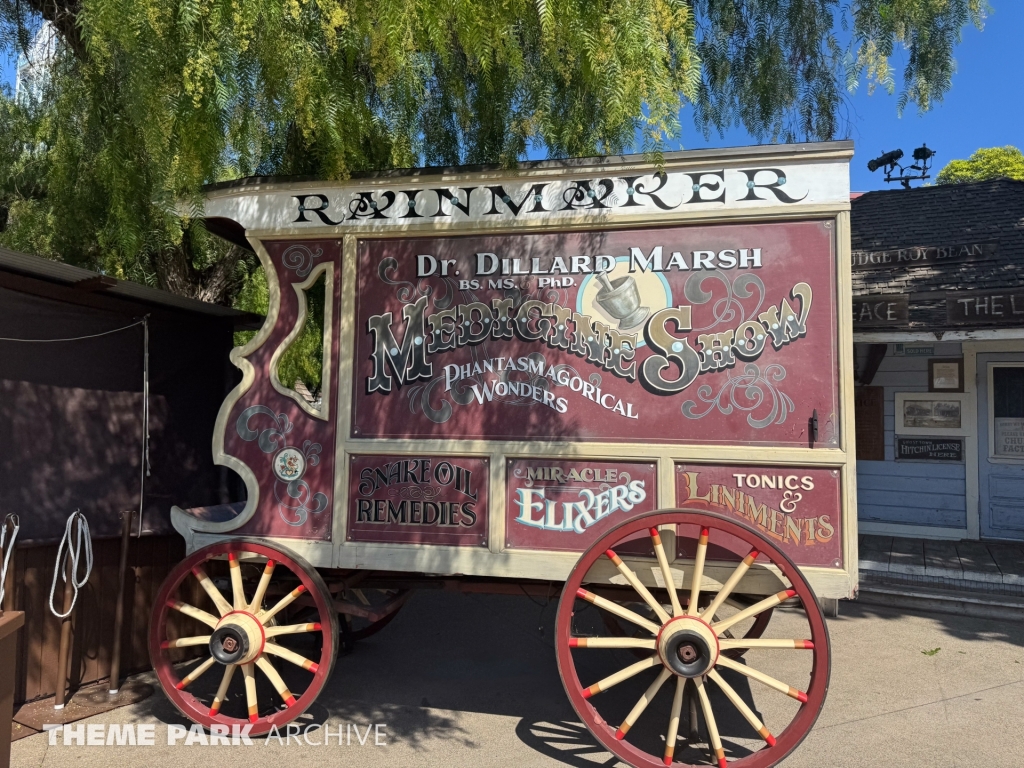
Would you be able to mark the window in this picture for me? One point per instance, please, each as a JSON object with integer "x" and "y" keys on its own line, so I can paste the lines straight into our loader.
{"x": 1007, "y": 410}
{"x": 299, "y": 369}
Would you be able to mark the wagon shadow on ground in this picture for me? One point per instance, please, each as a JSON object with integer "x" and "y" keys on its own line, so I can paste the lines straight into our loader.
{"x": 447, "y": 654}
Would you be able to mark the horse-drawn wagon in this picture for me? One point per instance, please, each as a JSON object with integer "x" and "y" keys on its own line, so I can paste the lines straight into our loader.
{"x": 628, "y": 380}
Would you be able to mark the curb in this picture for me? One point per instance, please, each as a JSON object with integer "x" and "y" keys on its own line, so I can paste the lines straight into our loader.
{"x": 976, "y": 604}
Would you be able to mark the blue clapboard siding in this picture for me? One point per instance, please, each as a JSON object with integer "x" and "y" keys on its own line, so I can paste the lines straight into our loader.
{"x": 913, "y": 493}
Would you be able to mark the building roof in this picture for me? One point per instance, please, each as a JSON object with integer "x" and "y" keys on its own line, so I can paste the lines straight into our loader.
{"x": 943, "y": 215}
{"x": 68, "y": 275}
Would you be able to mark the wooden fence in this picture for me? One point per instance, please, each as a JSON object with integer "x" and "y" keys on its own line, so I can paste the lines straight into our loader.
{"x": 150, "y": 558}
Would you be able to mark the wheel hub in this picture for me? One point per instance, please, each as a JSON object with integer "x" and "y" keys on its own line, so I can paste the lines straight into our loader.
{"x": 688, "y": 646}
{"x": 238, "y": 639}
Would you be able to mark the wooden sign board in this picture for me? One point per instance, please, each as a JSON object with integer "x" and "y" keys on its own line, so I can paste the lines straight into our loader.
{"x": 880, "y": 311}
{"x": 794, "y": 506}
{"x": 923, "y": 256}
{"x": 546, "y": 336}
{"x": 985, "y": 307}
{"x": 565, "y": 505}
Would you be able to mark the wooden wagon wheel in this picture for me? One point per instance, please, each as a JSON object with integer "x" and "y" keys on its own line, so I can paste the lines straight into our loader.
{"x": 254, "y": 667}
{"x": 373, "y": 599}
{"x": 686, "y": 652}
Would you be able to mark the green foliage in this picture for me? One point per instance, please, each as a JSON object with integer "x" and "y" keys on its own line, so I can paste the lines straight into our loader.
{"x": 303, "y": 360}
{"x": 253, "y": 297}
{"x": 145, "y": 101}
{"x": 992, "y": 163}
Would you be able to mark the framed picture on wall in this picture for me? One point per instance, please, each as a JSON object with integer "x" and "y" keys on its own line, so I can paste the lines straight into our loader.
{"x": 946, "y": 374}
{"x": 930, "y": 413}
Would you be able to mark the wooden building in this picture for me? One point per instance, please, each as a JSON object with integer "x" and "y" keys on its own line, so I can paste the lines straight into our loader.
{"x": 938, "y": 282}
{"x": 73, "y": 427}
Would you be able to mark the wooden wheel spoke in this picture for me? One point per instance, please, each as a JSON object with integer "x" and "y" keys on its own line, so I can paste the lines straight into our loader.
{"x": 673, "y": 721}
{"x": 698, "y": 572}
{"x": 638, "y": 586}
{"x": 761, "y": 677}
{"x": 288, "y": 655}
{"x": 729, "y": 585}
{"x": 195, "y": 674}
{"x": 222, "y": 689}
{"x": 191, "y": 611}
{"x": 709, "y": 720}
{"x": 618, "y": 610}
{"x": 261, "y": 588}
{"x": 666, "y": 572}
{"x": 800, "y": 645}
{"x": 754, "y": 610}
{"x": 622, "y": 674}
{"x": 609, "y": 642}
{"x": 250, "y": 692}
{"x": 222, "y": 605}
{"x": 237, "y": 592}
{"x": 641, "y": 705}
{"x": 293, "y": 629}
{"x": 741, "y": 705}
{"x": 267, "y": 668}
{"x": 284, "y": 602}
{"x": 186, "y": 642}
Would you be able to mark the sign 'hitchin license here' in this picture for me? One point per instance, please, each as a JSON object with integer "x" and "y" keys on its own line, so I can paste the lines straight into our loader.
{"x": 930, "y": 448}
{"x": 797, "y": 507}
{"x": 714, "y": 334}
{"x": 566, "y": 505}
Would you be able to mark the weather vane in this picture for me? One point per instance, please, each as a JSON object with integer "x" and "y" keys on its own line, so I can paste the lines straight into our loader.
{"x": 890, "y": 161}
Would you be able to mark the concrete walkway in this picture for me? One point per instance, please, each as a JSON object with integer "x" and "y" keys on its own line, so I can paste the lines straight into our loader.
{"x": 471, "y": 681}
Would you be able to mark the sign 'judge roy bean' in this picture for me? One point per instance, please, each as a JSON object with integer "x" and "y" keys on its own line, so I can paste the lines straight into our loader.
{"x": 686, "y": 334}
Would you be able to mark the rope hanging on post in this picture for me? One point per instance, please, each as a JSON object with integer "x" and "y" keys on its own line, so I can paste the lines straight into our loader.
{"x": 16, "y": 522}
{"x": 82, "y": 546}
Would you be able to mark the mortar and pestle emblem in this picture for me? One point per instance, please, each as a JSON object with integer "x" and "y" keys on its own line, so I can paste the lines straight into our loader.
{"x": 620, "y": 299}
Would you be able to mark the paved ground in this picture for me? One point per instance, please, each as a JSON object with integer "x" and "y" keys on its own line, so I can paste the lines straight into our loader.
{"x": 471, "y": 681}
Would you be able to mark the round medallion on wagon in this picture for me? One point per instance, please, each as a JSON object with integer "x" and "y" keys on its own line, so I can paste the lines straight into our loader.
{"x": 289, "y": 464}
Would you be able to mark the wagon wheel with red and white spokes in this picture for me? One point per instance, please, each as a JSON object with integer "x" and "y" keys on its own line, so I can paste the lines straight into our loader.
{"x": 223, "y": 642}
{"x": 690, "y": 700}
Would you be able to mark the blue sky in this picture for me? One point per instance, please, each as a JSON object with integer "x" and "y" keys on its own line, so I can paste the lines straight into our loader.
{"x": 985, "y": 107}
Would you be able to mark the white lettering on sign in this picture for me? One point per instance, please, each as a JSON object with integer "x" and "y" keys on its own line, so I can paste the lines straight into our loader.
{"x": 538, "y": 511}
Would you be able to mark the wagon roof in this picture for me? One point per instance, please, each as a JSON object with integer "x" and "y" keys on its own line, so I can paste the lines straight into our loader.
{"x": 428, "y": 172}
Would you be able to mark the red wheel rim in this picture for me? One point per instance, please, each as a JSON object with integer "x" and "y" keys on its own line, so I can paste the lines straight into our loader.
{"x": 781, "y": 744}
{"x": 269, "y": 714}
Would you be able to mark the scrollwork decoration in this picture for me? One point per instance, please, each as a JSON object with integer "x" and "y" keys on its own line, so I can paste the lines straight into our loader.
{"x": 300, "y": 258}
{"x": 299, "y": 500}
{"x": 730, "y": 308}
{"x": 415, "y": 492}
{"x": 759, "y": 390}
{"x": 270, "y": 439}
